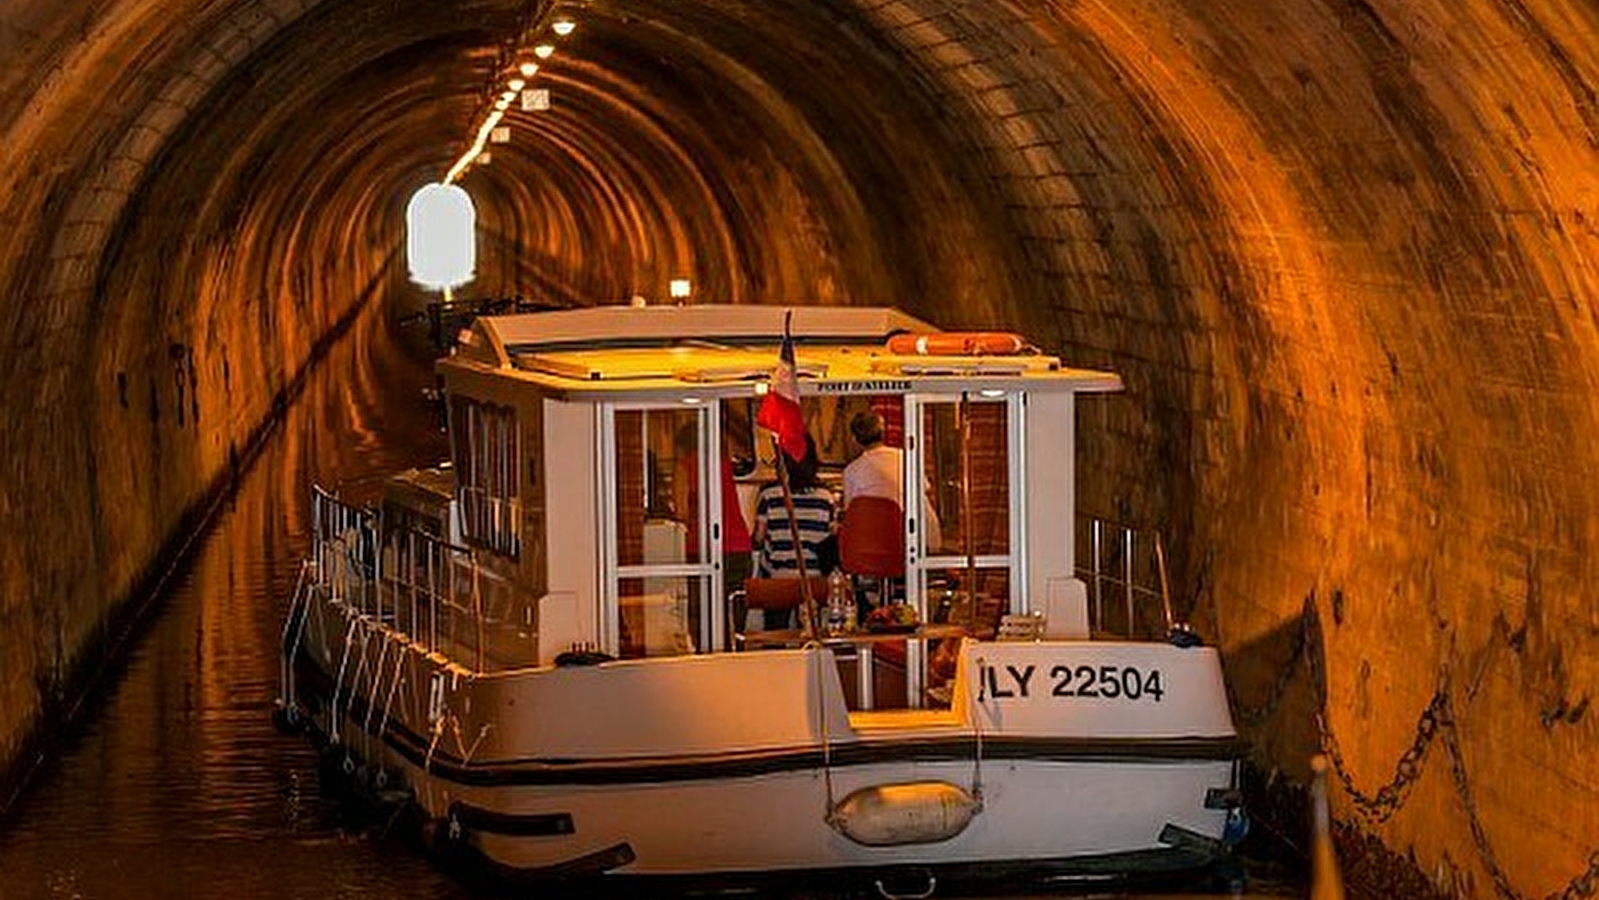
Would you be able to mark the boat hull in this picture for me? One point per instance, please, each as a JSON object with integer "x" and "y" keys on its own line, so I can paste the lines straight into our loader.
{"x": 725, "y": 767}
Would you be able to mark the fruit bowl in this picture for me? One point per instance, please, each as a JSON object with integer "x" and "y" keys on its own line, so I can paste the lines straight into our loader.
{"x": 895, "y": 618}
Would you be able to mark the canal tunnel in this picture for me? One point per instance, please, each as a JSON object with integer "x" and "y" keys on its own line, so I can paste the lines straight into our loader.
{"x": 1344, "y": 253}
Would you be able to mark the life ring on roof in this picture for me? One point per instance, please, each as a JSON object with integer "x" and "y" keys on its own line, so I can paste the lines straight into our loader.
{"x": 957, "y": 343}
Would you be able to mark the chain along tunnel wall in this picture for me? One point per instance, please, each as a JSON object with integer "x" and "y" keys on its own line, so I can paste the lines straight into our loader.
{"x": 1344, "y": 253}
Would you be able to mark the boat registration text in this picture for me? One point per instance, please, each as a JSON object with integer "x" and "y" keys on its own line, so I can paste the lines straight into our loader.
{"x": 1105, "y": 682}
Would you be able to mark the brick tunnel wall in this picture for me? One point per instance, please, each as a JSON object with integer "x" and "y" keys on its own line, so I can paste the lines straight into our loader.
{"x": 1342, "y": 251}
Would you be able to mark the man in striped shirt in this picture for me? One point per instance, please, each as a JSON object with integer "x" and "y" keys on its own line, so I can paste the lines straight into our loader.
{"x": 816, "y": 514}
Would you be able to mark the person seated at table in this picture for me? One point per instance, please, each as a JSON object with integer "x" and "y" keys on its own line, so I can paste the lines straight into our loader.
{"x": 878, "y": 471}
{"x": 815, "y": 514}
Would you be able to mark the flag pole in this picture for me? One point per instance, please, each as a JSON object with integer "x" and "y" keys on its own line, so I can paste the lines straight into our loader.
{"x": 808, "y": 611}
{"x": 781, "y": 413}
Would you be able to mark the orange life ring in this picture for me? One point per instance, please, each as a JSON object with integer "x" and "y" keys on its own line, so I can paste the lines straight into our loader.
{"x": 957, "y": 343}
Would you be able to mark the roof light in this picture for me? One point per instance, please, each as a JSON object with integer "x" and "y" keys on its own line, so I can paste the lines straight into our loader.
{"x": 543, "y": 51}
{"x": 528, "y": 69}
{"x": 563, "y": 27}
{"x": 516, "y": 84}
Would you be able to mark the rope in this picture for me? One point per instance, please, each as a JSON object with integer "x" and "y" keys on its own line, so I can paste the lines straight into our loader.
{"x": 338, "y": 683}
{"x": 394, "y": 688}
{"x": 290, "y": 646}
{"x": 977, "y": 763}
{"x": 827, "y": 739}
{"x": 365, "y": 639}
{"x": 377, "y": 683}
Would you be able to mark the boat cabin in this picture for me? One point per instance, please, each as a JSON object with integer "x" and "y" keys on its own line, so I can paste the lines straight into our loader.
{"x": 594, "y": 452}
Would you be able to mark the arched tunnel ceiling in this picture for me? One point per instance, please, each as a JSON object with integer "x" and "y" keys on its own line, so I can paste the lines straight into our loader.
{"x": 695, "y": 134}
{"x": 1342, "y": 251}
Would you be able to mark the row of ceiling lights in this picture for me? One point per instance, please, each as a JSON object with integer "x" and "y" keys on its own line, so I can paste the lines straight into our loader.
{"x": 516, "y": 82}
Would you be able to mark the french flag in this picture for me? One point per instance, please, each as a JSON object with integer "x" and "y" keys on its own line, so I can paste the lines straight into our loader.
{"x": 780, "y": 409}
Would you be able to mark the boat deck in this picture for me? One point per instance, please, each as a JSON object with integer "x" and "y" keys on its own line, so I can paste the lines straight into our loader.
{"x": 901, "y": 721}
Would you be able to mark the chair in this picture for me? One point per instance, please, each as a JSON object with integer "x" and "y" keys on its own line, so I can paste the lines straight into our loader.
{"x": 772, "y": 594}
{"x": 871, "y": 538}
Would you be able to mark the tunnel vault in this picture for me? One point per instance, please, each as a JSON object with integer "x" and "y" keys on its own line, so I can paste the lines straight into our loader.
{"x": 1342, "y": 251}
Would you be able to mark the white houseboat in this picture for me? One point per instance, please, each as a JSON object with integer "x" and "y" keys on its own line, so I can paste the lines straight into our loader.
{"x": 541, "y": 646}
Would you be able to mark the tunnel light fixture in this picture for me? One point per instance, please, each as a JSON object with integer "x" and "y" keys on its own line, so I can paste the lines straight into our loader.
{"x": 679, "y": 288}
{"x": 516, "y": 84}
{"x": 440, "y": 236}
{"x": 473, "y": 152}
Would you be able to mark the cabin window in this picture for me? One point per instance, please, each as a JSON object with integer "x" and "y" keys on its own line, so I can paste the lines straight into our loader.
{"x": 486, "y": 448}
{"x": 968, "y": 461}
{"x": 981, "y": 523}
{"x": 658, "y": 505}
{"x": 663, "y": 552}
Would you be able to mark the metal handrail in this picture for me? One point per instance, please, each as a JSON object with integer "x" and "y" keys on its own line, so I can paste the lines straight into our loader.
{"x": 422, "y": 586}
{"x": 1115, "y": 546}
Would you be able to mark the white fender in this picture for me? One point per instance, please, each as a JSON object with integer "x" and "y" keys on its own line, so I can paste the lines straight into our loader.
{"x": 921, "y": 812}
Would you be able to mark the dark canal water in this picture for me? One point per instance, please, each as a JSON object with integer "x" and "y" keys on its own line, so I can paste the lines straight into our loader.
{"x": 175, "y": 783}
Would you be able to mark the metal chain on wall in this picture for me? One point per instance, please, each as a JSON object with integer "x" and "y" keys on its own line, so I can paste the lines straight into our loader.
{"x": 1437, "y": 720}
{"x": 1254, "y": 715}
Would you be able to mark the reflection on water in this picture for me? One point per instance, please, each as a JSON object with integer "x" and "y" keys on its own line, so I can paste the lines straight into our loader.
{"x": 177, "y": 785}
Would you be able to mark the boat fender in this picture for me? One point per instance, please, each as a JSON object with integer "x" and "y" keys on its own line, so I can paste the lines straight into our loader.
{"x": 957, "y": 343}
{"x": 888, "y": 815}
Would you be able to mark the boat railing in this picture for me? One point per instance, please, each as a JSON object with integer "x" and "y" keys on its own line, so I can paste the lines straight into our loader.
{"x": 344, "y": 549}
{"x": 436, "y": 593}
{"x": 1129, "y": 592}
{"x": 447, "y": 601}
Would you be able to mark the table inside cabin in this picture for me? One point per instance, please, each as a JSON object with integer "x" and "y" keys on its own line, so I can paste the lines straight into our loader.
{"x": 865, "y": 643}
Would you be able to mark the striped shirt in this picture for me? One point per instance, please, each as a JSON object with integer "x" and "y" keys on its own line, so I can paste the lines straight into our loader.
{"x": 816, "y": 513}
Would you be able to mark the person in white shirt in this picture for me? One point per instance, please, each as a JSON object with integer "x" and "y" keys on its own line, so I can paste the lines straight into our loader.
{"x": 879, "y": 471}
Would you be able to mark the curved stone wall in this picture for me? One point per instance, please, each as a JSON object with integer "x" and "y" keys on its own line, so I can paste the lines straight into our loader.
{"x": 1342, "y": 251}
